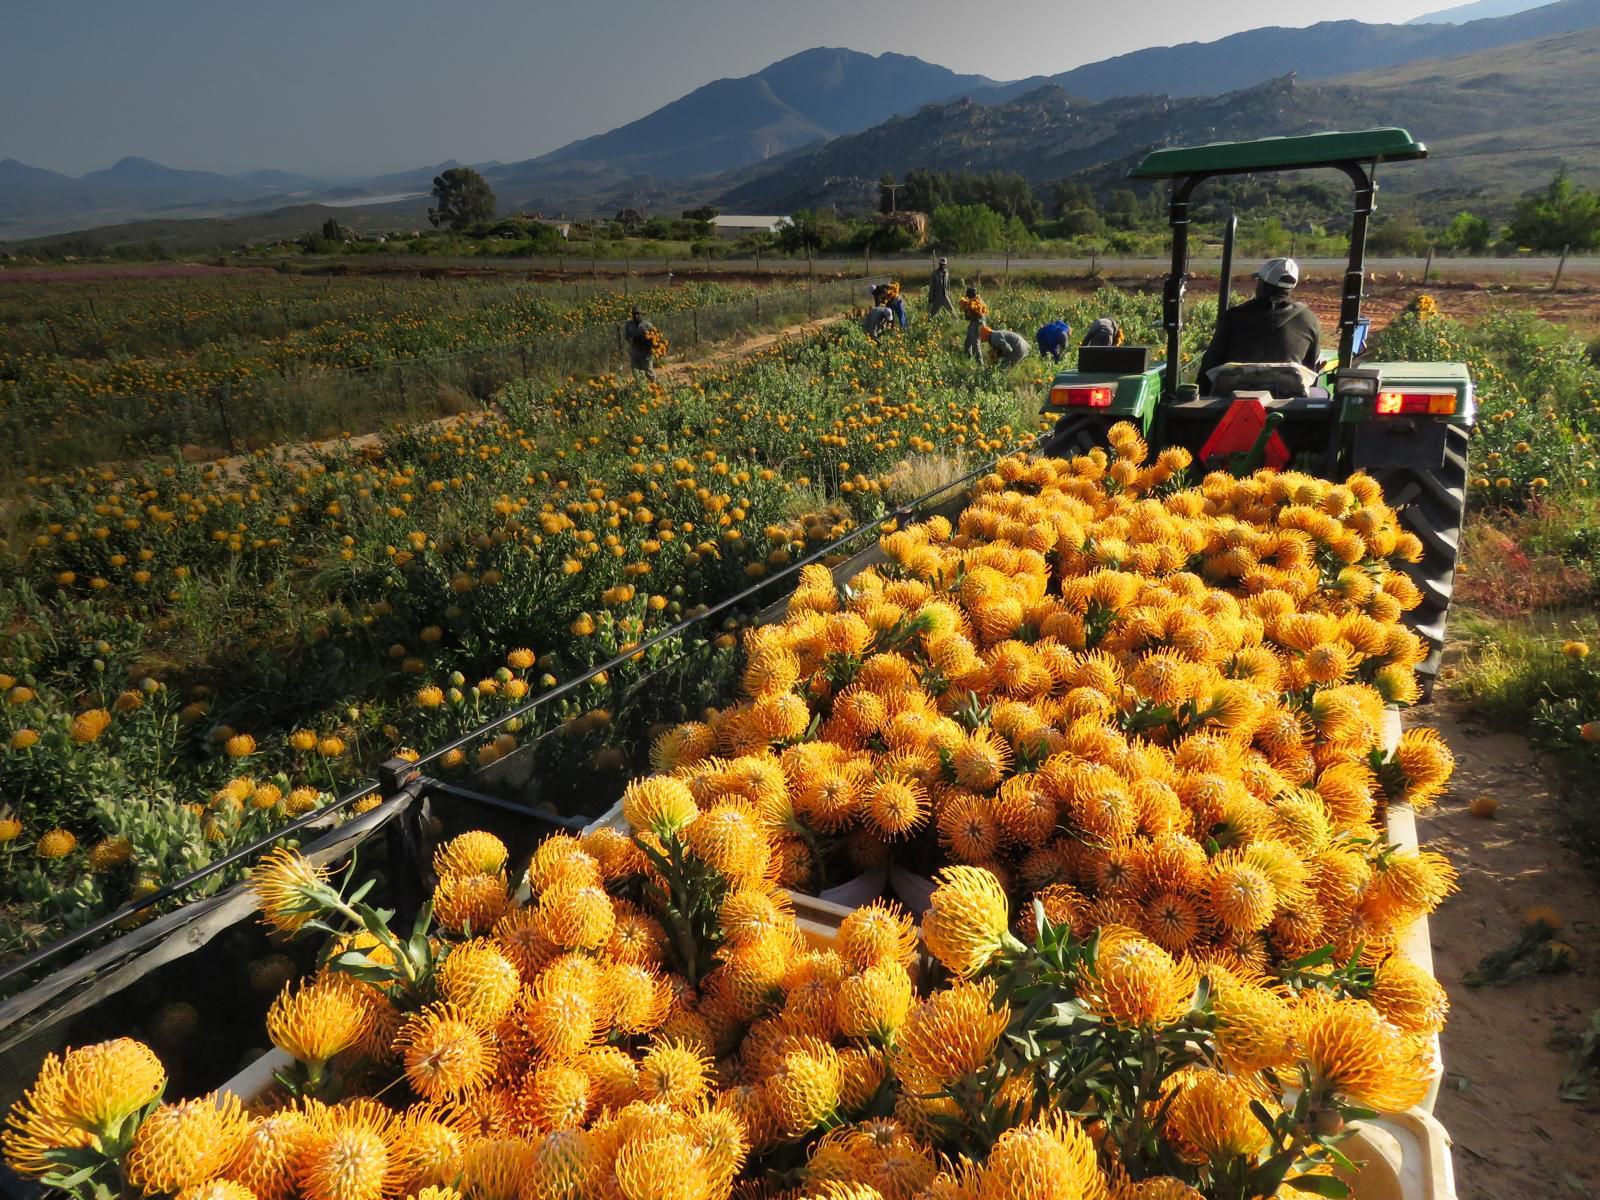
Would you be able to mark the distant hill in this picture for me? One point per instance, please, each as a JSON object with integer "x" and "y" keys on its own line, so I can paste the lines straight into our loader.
{"x": 1321, "y": 51}
{"x": 1475, "y": 11}
{"x": 140, "y": 183}
{"x": 1506, "y": 108}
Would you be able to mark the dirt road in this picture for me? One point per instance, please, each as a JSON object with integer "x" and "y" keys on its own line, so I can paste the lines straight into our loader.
{"x": 1513, "y": 1135}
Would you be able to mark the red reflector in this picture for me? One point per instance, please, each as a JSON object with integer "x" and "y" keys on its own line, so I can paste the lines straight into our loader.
{"x": 1405, "y": 403}
{"x": 1095, "y": 396}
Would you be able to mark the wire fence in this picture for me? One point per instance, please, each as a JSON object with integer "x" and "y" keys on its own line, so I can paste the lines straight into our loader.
{"x": 326, "y": 403}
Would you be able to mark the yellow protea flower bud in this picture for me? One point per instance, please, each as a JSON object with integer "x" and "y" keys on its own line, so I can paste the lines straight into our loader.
{"x": 496, "y": 1168}
{"x": 674, "y": 1074}
{"x": 1409, "y": 997}
{"x": 289, "y": 889}
{"x": 803, "y": 1087}
{"x": 875, "y": 1003}
{"x": 445, "y": 1053}
{"x": 640, "y": 1174}
{"x": 472, "y": 853}
{"x": 185, "y": 1143}
{"x": 659, "y": 805}
{"x": 556, "y": 1096}
{"x": 966, "y": 922}
{"x": 470, "y": 903}
{"x": 1046, "y": 1159}
{"x": 1354, "y": 1053}
{"x": 1211, "y": 1120}
{"x": 480, "y": 980}
{"x": 878, "y": 932}
{"x": 319, "y": 1019}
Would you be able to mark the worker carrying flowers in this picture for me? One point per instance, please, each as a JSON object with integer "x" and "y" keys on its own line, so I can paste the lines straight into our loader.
{"x": 643, "y": 342}
{"x": 888, "y": 296}
{"x": 974, "y": 309}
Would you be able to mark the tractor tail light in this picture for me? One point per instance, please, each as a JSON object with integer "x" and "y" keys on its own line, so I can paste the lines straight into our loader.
{"x": 1092, "y": 396}
{"x": 1432, "y": 403}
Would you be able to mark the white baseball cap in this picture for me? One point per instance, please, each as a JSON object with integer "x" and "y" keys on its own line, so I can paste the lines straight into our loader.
{"x": 1279, "y": 272}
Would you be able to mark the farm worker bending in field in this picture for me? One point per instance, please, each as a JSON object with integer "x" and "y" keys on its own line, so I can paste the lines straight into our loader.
{"x": 888, "y": 295}
{"x": 641, "y": 350}
{"x": 878, "y": 318}
{"x": 1102, "y": 331}
{"x": 1052, "y": 339}
{"x": 974, "y": 309}
{"x": 1268, "y": 328}
{"x": 939, "y": 290}
{"x": 1009, "y": 348}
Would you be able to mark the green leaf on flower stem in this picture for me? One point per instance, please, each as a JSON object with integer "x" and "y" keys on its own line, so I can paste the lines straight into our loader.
{"x": 360, "y": 893}
{"x": 1320, "y": 1185}
{"x": 1315, "y": 959}
{"x": 1353, "y": 1112}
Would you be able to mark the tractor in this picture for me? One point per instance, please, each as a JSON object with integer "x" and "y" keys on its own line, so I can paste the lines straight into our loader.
{"x": 1405, "y": 424}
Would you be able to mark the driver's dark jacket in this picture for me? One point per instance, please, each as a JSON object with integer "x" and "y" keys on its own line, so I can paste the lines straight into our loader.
{"x": 1264, "y": 329}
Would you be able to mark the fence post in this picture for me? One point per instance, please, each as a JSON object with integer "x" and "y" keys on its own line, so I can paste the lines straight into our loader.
{"x": 695, "y": 313}
{"x": 523, "y": 351}
{"x": 400, "y": 385}
{"x": 627, "y": 270}
{"x": 758, "y": 258}
{"x": 869, "y": 263}
{"x": 54, "y": 340}
{"x": 221, "y": 395}
{"x": 1427, "y": 267}
{"x": 1560, "y": 267}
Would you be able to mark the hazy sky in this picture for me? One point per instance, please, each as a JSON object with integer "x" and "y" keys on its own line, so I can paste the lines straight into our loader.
{"x": 354, "y": 87}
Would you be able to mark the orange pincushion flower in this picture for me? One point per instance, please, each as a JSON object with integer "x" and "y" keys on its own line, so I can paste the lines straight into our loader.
{"x": 949, "y": 1035}
{"x": 875, "y": 1003}
{"x": 560, "y": 859}
{"x": 560, "y": 1014}
{"x": 896, "y": 806}
{"x": 185, "y": 1143}
{"x": 1426, "y": 762}
{"x": 1255, "y": 1025}
{"x": 267, "y": 1159}
{"x": 803, "y": 1087}
{"x": 1136, "y": 983}
{"x": 322, "y": 1018}
{"x": 969, "y": 828}
{"x": 1210, "y": 1120}
{"x": 1409, "y": 997}
{"x": 674, "y": 1074}
{"x": 659, "y": 805}
{"x": 496, "y": 1168}
{"x": 728, "y": 838}
{"x": 638, "y": 1168}
{"x": 965, "y": 925}
{"x": 1048, "y": 1159}
{"x": 556, "y": 1095}
{"x": 576, "y": 916}
{"x": 1409, "y": 883}
{"x": 1242, "y": 896}
{"x": 472, "y": 853}
{"x": 878, "y": 932}
{"x": 446, "y": 1054}
{"x": 519, "y": 937}
{"x": 480, "y": 980}
{"x": 1354, "y": 1053}
{"x": 466, "y": 904}
{"x": 635, "y": 997}
{"x": 288, "y": 888}
{"x": 562, "y": 1166}
{"x": 217, "y": 1189}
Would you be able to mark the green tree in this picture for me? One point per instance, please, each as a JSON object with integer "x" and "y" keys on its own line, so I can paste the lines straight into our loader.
{"x": 1561, "y": 215}
{"x": 464, "y": 199}
{"x": 1467, "y": 232}
{"x": 963, "y": 228}
{"x": 1069, "y": 195}
{"x": 809, "y": 229}
{"x": 1400, "y": 235}
{"x": 628, "y": 220}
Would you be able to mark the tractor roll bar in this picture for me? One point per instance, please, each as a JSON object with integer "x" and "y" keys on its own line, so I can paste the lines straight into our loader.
{"x": 1362, "y": 173}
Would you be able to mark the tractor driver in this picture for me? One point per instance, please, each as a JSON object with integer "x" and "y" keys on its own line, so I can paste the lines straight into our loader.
{"x": 1269, "y": 328}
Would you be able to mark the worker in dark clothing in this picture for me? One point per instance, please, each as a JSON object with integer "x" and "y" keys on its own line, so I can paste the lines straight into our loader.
{"x": 1052, "y": 339}
{"x": 641, "y": 349}
{"x": 939, "y": 290}
{"x": 1269, "y": 328}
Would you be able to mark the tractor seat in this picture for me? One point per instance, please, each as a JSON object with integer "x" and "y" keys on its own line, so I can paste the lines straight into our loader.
{"x": 1283, "y": 380}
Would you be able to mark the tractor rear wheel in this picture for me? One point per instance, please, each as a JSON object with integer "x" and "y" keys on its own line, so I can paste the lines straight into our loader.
{"x": 1431, "y": 503}
{"x": 1077, "y": 433}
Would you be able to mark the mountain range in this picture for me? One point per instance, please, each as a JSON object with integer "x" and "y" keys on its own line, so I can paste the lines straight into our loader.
{"x": 820, "y": 125}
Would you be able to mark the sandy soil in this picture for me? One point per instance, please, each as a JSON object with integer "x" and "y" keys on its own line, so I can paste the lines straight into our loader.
{"x": 1513, "y": 1135}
